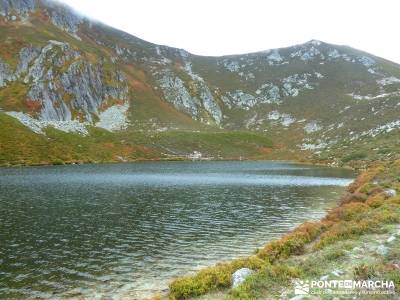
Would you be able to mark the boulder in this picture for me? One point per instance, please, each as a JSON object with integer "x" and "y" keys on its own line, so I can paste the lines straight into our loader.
{"x": 390, "y": 193}
{"x": 240, "y": 276}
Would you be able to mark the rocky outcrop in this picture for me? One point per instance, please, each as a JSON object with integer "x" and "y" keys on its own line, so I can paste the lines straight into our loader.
{"x": 60, "y": 14}
{"x": 273, "y": 93}
{"x": 20, "y": 8}
{"x": 210, "y": 103}
{"x": 312, "y": 127}
{"x": 26, "y": 56}
{"x": 83, "y": 81}
{"x": 72, "y": 81}
{"x": 64, "y": 17}
{"x": 193, "y": 101}
{"x": 177, "y": 94}
{"x": 64, "y": 87}
{"x": 242, "y": 99}
{"x": 6, "y": 75}
{"x": 283, "y": 118}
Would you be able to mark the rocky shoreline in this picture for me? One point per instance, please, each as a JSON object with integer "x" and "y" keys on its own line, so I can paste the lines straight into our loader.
{"x": 358, "y": 240}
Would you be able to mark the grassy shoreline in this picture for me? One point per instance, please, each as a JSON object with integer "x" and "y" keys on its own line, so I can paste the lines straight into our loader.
{"x": 369, "y": 210}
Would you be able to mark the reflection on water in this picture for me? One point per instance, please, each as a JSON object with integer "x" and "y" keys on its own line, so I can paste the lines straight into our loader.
{"x": 124, "y": 230}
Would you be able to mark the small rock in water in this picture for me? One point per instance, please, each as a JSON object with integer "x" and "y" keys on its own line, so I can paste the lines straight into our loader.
{"x": 391, "y": 239}
{"x": 390, "y": 193}
{"x": 240, "y": 275}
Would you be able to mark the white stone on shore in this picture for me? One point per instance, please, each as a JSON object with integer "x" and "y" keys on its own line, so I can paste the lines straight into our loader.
{"x": 240, "y": 276}
{"x": 390, "y": 193}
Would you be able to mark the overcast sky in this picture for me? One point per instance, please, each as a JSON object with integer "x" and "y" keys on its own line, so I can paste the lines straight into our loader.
{"x": 218, "y": 27}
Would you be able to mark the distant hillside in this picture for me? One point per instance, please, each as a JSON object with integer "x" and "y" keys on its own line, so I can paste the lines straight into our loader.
{"x": 73, "y": 89}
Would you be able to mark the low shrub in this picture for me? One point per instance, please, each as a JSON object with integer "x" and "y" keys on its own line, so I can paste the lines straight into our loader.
{"x": 363, "y": 210}
{"x": 364, "y": 272}
{"x": 353, "y": 197}
{"x": 354, "y": 156}
{"x": 347, "y": 212}
{"x": 365, "y": 177}
{"x": 370, "y": 189}
{"x": 271, "y": 278}
{"x": 376, "y": 200}
{"x": 57, "y": 162}
{"x": 343, "y": 230}
{"x": 292, "y": 243}
{"x": 208, "y": 279}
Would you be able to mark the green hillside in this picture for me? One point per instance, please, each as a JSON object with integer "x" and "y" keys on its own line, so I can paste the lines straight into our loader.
{"x": 99, "y": 94}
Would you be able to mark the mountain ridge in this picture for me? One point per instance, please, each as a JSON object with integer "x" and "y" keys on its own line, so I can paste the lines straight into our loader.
{"x": 61, "y": 70}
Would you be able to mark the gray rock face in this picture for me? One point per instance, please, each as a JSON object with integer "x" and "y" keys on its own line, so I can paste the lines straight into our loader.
{"x": 17, "y": 7}
{"x": 62, "y": 81}
{"x": 274, "y": 58}
{"x": 203, "y": 91}
{"x": 240, "y": 276}
{"x": 273, "y": 93}
{"x": 52, "y": 106}
{"x": 84, "y": 82}
{"x": 26, "y": 56}
{"x": 177, "y": 94}
{"x": 307, "y": 51}
{"x": 45, "y": 86}
{"x": 63, "y": 17}
{"x": 242, "y": 99}
{"x": 210, "y": 104}
{"x": 6, "y": 75}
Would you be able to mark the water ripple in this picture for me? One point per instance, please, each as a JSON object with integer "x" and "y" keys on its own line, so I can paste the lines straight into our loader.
{"x": 122, "y": 231}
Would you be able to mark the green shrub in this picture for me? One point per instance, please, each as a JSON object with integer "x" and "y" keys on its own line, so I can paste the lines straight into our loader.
{"x": 364, "y": 272}
{"x": 208, "y": 279}
{"x": 354, "y": 156}
{"x": 57, "y": 162}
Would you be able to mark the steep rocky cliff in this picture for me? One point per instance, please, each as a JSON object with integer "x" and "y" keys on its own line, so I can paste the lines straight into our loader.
{"x": 59, "y": 69}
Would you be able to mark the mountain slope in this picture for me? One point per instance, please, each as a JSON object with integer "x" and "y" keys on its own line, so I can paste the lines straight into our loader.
{"x": 63, "y": 74}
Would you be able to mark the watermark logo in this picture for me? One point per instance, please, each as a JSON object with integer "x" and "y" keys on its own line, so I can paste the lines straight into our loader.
{"x": 301, "y": 287}
{"x": 343, "y": 287}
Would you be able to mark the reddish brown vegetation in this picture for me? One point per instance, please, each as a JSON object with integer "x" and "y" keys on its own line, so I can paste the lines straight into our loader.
{"x": 33, "y": 105}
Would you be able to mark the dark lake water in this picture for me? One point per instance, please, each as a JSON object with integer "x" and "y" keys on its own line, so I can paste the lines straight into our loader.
{"x": 120, "y": 231}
